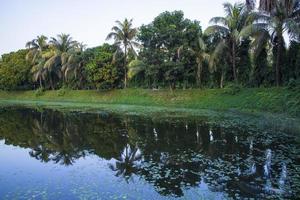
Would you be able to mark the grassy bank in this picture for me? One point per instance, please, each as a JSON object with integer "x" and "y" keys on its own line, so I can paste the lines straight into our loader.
{"x": 271, "y": 100}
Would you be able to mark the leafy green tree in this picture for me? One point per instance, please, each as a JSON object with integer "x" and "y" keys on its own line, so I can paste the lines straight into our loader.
{"x": 124, "y": 36}
{"x": 173, "y": 73}
{"x": 161, "y": 40}
{"x": 15, "y": 71}
{"x": 233, "y": 28}
{"x": 102, "y": 68}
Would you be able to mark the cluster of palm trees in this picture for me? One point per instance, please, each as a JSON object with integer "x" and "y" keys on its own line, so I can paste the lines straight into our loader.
{"x": 57, "y": 59}
{"x": 265, "y": 27}
{"x": 278, "y": 17}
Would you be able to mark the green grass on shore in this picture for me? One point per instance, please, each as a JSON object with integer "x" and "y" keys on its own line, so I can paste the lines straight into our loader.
{"x": 271, "y": 100}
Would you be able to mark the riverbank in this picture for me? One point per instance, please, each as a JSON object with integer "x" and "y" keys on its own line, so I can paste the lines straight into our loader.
{"x": 276, "y": 108}
{"x": 249, "y": 100}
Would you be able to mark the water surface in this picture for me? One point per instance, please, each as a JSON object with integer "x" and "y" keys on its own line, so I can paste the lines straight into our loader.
{"x": 53, "y": 155}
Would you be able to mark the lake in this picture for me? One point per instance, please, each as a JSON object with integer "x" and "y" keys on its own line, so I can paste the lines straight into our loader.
{"x": 47, "y": 154}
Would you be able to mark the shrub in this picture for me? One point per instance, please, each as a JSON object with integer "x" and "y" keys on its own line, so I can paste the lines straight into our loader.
{"x": 62, "y": 91}
{"x": 293, "y": 84}
{"x": 39, "y": 92}
{"x": 232, "y": 89}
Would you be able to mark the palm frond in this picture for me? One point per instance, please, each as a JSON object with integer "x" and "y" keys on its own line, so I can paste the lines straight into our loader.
{"x": 214, "y": 58}
{"x": 216, "y": 29}
{"x": 228, "y": 9}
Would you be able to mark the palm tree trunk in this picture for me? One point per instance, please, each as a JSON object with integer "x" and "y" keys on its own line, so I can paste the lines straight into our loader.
{"x": 125, "y": 70}
{"x": 199, "y": 71}
{"x": 234, "y": 63}
{"x": 40, "y": 82}
{"x": 222, "y": 79}
{"x": 51, "y": 82}
{"x": 278, "y": 56}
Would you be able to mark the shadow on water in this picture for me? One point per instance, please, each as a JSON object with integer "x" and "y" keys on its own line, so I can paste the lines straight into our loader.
{"x": 173, "y": 156}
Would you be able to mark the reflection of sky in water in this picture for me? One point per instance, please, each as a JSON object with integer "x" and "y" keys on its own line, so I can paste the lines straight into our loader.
{"x": 89, "y": 177}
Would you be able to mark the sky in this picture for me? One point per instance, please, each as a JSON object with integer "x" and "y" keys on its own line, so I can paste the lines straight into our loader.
{"x": 88, "y": 21}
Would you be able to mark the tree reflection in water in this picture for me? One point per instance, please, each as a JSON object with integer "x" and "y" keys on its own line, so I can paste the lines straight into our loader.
{"x": 171, "y": 155}
{"x": 128, "y": 163}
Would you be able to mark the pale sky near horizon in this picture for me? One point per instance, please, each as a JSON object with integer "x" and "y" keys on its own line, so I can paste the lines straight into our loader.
{"x": 88, "y": 21}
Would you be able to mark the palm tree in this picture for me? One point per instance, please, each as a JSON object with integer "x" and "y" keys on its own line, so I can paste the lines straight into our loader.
{"x": 37, "y": 49}
{"x": 124, "y": 35}
{"x": 136, "y": 70}
{"x": 127, "y": 164}
{"x": 62, "y": 48}
{"x": 39, "y": 72}
{"x": 201, "y": 55}
{"x": 63, "y": 43}
{"x": 72, "y": 65}
{"x": 283, "y": 18}
{"x": 232, "y": 28}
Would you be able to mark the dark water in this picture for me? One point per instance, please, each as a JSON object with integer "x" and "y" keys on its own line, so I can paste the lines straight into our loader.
{"x": 54, "y": 155}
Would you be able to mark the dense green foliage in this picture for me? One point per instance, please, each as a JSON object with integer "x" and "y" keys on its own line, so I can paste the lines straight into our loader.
{"x": 101, "y": 72}
{"x": 15, "y": 71}
{"x": 161, "y": 41}
{"x": 245, "y": 47}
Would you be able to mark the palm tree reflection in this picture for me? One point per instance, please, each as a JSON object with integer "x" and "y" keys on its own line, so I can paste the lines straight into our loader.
{"x": 128, "y": 162}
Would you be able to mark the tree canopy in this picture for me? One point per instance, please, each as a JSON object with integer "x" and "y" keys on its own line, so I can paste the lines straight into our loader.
{"x": 246, "y": 46}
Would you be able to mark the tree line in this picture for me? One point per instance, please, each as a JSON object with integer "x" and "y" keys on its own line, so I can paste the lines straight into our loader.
{"x": 247, "y": 46}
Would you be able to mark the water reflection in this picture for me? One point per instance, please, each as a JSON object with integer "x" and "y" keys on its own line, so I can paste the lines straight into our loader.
{"x": 172, "y": 156}
{"x": 128, "y": 163}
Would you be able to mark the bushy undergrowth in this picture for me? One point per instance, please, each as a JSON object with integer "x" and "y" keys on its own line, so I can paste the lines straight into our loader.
{"x": 39, "y": 92}
{"x": 232, "y": 89}
{"x": 62, "y": 91}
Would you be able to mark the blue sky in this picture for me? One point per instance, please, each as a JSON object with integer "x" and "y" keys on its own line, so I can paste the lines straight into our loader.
{"x": 88, "y": 21}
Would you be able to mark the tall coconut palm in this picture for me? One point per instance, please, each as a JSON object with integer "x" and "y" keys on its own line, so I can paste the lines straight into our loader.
{"x": 37, "y": 48}
{"x": 283, "y": 18}
{"x": 232, "y": 28}
{"x": 63, "y": 43}
{"x": 39, "y": 72}
{"x": 62, "y": 47}
{"x": 124, "y": 36}
{"x": 72, "y": 65}
{"x": 201, "y": 55}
